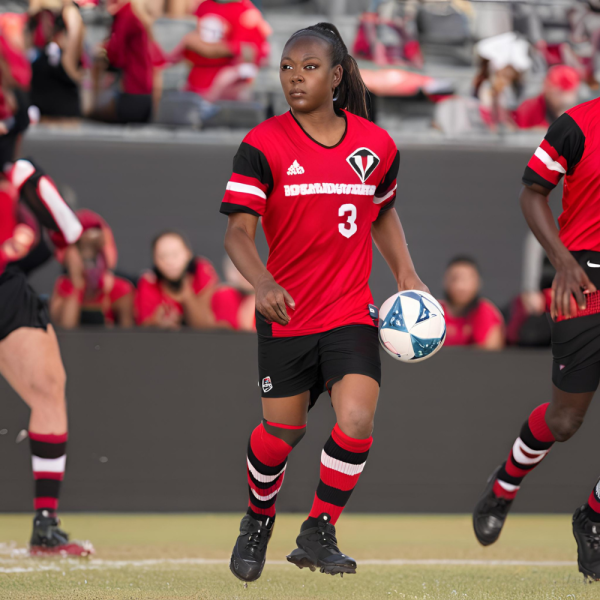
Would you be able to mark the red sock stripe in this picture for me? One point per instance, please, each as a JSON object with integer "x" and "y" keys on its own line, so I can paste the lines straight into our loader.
{"x": 48, "y": 475}
{"x": 593, "y": 503}
{"x": 49, "y": 438}
{"x": 48, "y": 503}
{"x": 348, "y": 443}
{"x": 280, "y": 425}
{"x": 266, "y": 491}
{"x": 270, "y": 450}
{"x": 338, "y": 480}
{"x": 538, "y": 425}
{"x": 500, "y": 492}
{"x": 319, "y": 507}
{"x": 513, "y": 470}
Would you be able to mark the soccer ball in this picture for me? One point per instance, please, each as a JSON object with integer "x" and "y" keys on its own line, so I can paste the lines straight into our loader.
{"x": 411, "y": 326}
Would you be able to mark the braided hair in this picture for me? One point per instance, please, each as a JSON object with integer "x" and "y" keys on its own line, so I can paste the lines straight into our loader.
{"x": 351, "y": 93}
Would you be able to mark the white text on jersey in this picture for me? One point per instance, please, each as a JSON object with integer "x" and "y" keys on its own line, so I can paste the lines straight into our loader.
{"x": 306, "y": 189}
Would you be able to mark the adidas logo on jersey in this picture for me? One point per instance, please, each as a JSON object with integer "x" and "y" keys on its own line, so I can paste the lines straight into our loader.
{"x": 295, "y": 169}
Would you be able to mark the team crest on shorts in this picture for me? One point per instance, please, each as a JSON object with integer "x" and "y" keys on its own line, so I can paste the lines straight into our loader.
{"x": 267, "y": 384}
{"x": 364, "y": 162}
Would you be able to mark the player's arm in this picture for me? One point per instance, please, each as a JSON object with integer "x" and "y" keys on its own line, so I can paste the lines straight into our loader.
{"x": 559, "y": 153}
{"x": 197, "y": 307}
{"x": 389, "y": 238}
{"x": 271, "y": 298}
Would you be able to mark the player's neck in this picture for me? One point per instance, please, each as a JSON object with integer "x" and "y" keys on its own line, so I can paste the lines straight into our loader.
{"x": 323, "y": 125}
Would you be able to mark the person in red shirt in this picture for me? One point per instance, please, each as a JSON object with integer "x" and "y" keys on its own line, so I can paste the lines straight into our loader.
{"x": 132, "y": 50}
{"x": 29, "y": 354}
{"x": 90, "y": 293}
{"x": 225, "y": 51}
{"x": 561, "y": 89}
{"x": 178, "y": 291}
{"x": 233, "y": 303}
{"x": 570, "y": 148}
{"x": 322, "y": 178}
{"x": 470, "y": 319}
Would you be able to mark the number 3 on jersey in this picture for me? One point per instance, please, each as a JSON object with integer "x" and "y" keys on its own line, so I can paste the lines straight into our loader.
{"x": 349, "y": 228}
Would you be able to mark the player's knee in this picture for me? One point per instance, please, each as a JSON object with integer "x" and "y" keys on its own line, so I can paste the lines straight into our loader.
{"x": 565, "y": 425}
{"x": 357, "y": 423}
{"x": 48, "y": 386}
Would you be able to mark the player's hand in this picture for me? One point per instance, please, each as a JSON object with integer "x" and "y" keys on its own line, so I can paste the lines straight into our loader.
{"x": 412, "y": 282}
{"x": 17, "y": 247}
{"x": 570, "y": 281}
{"x": 272, "y": 299}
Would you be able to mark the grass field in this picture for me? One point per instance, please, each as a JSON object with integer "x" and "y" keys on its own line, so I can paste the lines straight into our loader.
{"x": 409, "y": 556}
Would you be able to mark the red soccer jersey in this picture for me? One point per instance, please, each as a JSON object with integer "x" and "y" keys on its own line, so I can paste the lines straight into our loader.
{"x": 102, "y": 301}
{"x": 150, "y": 294}
{"x": 532, "y": 112}
{"x": 473, "y": 327}
{"x": 571, "y": 148}
{"x": 317, "y": 206}
{"x": 232, "y": 306}
{"x": 233, "y": 23}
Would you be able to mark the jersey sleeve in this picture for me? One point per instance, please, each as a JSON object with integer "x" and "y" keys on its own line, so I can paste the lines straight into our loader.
{"x": 250, "y": 184}
{"x": 385, "y": 194}
{"x": 486, "y": 318}
{"x": 147, "y": 298}
{"x": 204, "y": 276}
{"x": 559, "y": 153}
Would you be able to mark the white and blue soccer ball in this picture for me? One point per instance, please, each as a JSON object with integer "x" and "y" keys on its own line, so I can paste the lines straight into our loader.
{"x": 412, "y": 327}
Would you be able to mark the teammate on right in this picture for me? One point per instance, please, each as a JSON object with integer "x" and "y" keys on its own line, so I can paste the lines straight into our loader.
{"x": 571, "y": 148}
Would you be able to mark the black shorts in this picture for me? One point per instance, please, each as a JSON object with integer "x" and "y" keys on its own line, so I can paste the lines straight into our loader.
{"x": 134, "y": 108}
{"x": 576, "y": 342}
{"x": 292, "y": 365}
{"x": 20, "y": 306}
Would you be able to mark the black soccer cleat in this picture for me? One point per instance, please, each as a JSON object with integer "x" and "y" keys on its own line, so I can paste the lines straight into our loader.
{"x": 587, "y": 536}
{"x": 48, "y": 539}
{"x": 317, "y": 549}
{"x": 490, "y": 513}
{"x": 250, "y": 550}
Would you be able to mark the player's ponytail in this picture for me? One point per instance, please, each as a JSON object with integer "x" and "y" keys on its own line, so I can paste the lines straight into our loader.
{"x": 351, "y": 93}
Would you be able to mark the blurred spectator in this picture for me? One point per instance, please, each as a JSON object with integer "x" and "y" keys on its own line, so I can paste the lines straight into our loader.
{"x": 233, "y": 304}
{"x": 470, "y": 319}
{"x": 90, "y": 293}
{"x": 498, "y": 85}
{"x": 15, "y": 77}
{"x": 387, "y": 34}
{"x": 131, "y": 49}
{"x": 527, "y": 322}
{"x": 225, "y": 51}
{"x": 178, "y": 291}
{"x": 57, "y": 32}
{"x": 561, "y": 92}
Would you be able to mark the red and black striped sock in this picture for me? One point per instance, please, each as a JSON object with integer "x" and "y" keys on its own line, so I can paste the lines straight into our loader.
{"x": 593, "y": 504}
{"x": 527, "y": 452}
{"x": 268, "y": 449}
{"x": 342, "y": 461}
{"x": 48, "y": 459}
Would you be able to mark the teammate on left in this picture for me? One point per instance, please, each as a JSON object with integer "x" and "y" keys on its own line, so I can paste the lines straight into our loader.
{"x": 29, "y": 355}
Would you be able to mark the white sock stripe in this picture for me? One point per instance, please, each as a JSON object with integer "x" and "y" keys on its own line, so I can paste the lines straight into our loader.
{"x": 509, "y": 487}
{"x": 49, "y": 465}
{"x": 340, "y": 466}
{"x": 265, "y": 498}
{"x": 263, "y": 478}
{"x": 519, "y": 449}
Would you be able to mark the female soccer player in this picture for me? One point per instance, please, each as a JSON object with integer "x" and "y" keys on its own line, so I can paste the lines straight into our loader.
{"x": 29, "y": 354}
{"x": 323, "y": 179}
{"x": 570, "y": 148}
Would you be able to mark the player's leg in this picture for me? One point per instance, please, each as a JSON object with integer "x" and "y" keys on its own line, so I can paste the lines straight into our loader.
{"x": 30, "y": 362}
{"x": 552, "y": 422}
{"x": 351, "y": 366}
{"x": 287, "y": 369}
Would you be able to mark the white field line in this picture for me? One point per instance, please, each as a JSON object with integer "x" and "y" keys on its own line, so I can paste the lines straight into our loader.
{"x": 39, "y": 565}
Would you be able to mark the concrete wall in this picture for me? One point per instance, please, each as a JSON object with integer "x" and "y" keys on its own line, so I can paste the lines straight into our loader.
{"x": 160, "y": 422}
